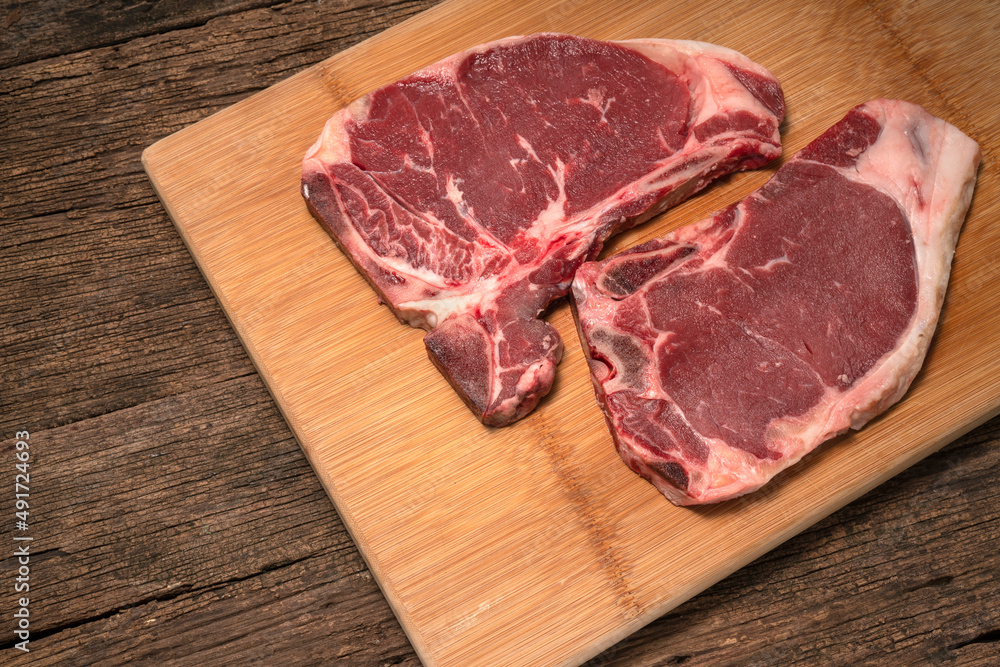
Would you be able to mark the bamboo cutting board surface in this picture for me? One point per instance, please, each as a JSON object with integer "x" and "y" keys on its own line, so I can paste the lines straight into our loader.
{"x": 534, "y": 544}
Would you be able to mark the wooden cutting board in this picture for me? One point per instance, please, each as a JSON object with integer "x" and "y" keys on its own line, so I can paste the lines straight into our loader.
{"x": 534, "y": 544}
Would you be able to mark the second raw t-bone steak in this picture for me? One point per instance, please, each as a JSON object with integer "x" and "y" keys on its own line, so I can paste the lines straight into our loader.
{"x": 469, "y": 192}
{"x": 725, "y": 351}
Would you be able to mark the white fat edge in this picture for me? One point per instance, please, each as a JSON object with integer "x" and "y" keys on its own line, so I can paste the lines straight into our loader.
{"x": 890, "y": 377}
{"x": 933, "y": 195}
{"x": 724, "y": 95}
{"x": 838, "y": 411}
{"x": 722, "y": 92}
{"x": 893, "y": 165}
{"x": 435, "y": 310}
{"x": 333, "y": 145}
{"x": 714, "y": 88}
{"x": 670, "y": 53}
{"x": 664, "y": 52}
{"x": 445, "y": 68}
{"x": 944, "y": 185}
{"x": 682, "y": 58}
{"x": 796, "y": 436}
{"x": 730, "y": 472}
{"x": 872, "y": 394}
{"x": 729, "y": 93}
{"x": 734, "y": 472}
{"x": 885, "y": 383}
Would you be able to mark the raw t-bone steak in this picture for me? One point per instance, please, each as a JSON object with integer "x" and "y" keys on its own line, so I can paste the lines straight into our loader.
{"x": 469, "y": 192}
{"x": 725, "y": 351}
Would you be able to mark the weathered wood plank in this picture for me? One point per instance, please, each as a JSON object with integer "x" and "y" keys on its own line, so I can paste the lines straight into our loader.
{"x": 75, "y": 123}
{"x": 106, "y": 316}
{"x": 162, "y": 491}
{"x": 34, "y": 30}
{"x": 307, "y": 613}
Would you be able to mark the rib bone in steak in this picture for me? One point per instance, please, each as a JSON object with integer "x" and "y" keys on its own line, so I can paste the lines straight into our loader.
{"x": 469, "y": 192}
{"x": 725, "y": 351}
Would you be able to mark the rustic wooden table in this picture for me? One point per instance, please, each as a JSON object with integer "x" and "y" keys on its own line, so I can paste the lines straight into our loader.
{"x": 173, "y": 517}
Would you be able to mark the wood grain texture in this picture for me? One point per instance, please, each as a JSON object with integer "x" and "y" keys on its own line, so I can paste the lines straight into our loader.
{"x": 534, "y": 532}
{"x": 178, "y": 521}
{"x": 34, "y": 30}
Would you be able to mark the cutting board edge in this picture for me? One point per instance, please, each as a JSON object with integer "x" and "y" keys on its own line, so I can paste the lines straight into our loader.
{"x": 380, "y": 576}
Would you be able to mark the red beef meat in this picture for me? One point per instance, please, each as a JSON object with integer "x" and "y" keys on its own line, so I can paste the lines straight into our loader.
{"x": 469, "y": 192}
{"x": 725, "y": 351}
